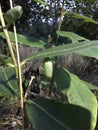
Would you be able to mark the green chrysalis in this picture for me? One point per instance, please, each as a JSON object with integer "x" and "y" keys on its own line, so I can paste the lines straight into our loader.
{"x": 48, "y": 68}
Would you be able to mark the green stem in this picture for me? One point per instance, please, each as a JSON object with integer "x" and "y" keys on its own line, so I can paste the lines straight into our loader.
{"x": 8, "y": 40}
{"x": 55, "y": 66}
{"x": 19, "y": 68}
{"x": 18, "y": 60}
{"x": 60, "y": 22}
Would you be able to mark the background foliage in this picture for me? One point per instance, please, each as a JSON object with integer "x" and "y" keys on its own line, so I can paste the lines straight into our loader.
{"x": 35, "y": 15}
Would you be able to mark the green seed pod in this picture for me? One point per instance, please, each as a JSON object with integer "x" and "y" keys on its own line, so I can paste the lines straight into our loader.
{"x": 48, "y": 68}
{"x": 13, "y": 14}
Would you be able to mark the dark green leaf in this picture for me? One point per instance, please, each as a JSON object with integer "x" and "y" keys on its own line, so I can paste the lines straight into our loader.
{"x": 50, "y": 115}
{"x": 8, "y": 82}
{"x": 4, "y": 60}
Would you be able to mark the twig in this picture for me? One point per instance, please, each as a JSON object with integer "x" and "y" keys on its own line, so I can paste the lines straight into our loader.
{"x": 30, "y": 82}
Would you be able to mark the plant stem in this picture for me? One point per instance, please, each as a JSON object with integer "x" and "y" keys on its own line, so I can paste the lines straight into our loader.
{"x": 60, "y": 22}
{"x": 61, "y": 16}
{"x": 8, "y": 40}
{"x": 19, "y": 68}
{"x": 18, "y": 61}
{"x": 55, "y": 66}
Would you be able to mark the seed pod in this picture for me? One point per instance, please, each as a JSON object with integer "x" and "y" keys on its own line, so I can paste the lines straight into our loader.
{"x": 13, "y": 14}
{"x": 48, "y": 68}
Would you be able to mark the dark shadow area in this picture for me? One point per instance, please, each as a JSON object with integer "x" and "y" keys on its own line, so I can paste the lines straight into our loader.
{"x": 62, "y": 79}
{"x": 78, "y": 118}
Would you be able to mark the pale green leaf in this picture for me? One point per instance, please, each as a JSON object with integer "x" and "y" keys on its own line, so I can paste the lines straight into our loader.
{"x": 80, "y": 16}
{"x": 41, "y": 2}
{"x": 91, "y": 52}
{"x": 72, "y": 36}
{"x": 46, "y": 114}
{"x": 83, "y": 48}
{"x": 90, "y": 86}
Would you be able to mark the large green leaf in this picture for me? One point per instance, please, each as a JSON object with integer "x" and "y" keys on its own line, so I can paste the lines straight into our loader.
{"x": 83, "y": 48}
{"x": 74, "y": 37}
{"x": 78, "y": 93}
{"x": 8, "y": 82}
{"x": 50, "y": 115}
{"x": 25, "y": 40}
{"x": 80, "y": 16}
{"x": 91, "y": 52}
